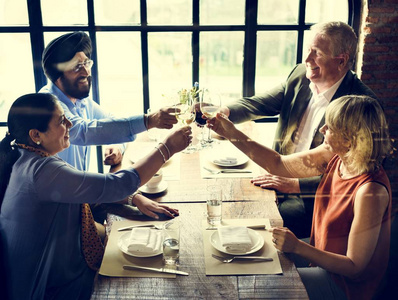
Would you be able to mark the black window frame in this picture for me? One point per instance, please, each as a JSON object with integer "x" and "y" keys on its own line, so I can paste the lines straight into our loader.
{"x": 250, "y": 29}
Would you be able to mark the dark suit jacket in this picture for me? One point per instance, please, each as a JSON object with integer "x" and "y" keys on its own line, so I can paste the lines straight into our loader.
{"x": 290, "y": 100}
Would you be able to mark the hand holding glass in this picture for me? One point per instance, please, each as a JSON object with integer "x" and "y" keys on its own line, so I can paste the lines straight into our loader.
{"x": 210, "y": 104}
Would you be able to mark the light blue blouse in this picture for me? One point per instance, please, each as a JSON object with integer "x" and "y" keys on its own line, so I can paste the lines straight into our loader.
{"x": 92, "y": 126}
{"x": 40, "y": 224}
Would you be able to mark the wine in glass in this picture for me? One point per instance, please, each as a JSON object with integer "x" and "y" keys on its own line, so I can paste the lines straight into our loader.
{"x": 210, "y": 104}
{"x": 185, "y": 114}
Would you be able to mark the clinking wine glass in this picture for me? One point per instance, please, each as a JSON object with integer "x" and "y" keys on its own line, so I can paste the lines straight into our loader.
{"x": 185, "y": 113}
{"x": 210, "y": 104}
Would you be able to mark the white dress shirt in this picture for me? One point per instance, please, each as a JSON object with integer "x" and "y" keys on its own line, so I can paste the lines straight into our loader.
{"x": 313, "y": 115}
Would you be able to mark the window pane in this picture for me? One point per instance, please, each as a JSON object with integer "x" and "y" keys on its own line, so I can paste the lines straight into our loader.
{"x": 222, "y": 12}
{"x": 3, "y": 131}
{"x": 13, "y": 12}
{"x": 326, "y": 10}
{"x": 170, "y": 65}
{"x": 221, "y": 58}
{"x": 49, "y": 36}
{"x": 119, "y": 12}
{"x": 170, "y": 12}
{"x": 64, "y": 12}
{"x": 276, "y": 56}
{"x": 16, "y": 72}
{"x": 120, "y": 72}
{"x": 287, "y": 11}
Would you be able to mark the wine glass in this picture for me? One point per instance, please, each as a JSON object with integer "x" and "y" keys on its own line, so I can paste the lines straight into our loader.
{"x": 210, "y": 104}
{"x": 185, "y": 113}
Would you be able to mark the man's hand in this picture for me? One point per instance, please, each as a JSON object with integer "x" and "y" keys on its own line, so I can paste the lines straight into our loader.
{"x": 162, "y": 119}
{"x": 280, "y": 184}
{"x": 113, "y": 156}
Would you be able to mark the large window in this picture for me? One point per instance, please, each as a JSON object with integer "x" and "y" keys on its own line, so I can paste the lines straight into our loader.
{"x": 145, "y": 49}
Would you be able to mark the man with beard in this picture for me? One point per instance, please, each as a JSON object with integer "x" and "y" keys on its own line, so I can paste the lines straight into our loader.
{"x": 67, "y": 63}
{"x": 301, "y": 102}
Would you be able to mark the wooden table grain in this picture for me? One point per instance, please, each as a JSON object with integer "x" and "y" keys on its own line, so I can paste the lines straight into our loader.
{"x": 197, "y": 285}
{"x": 242, "y": 201}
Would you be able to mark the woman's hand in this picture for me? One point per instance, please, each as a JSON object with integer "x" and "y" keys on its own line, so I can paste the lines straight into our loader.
{"x": 278, "y": 183}
{"x": 150, "y": 207}
{"x": 221, "y": 125}
{"x": 284, "y": 240}
{"x": 179, "y": 139}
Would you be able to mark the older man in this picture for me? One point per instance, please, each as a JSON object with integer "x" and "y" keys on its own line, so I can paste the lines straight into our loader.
{"x": 67, "y": 63}
{"x": 301, "y": 102}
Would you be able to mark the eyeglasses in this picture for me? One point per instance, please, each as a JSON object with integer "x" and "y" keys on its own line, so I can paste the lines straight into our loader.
{"x": 87, "y": 64}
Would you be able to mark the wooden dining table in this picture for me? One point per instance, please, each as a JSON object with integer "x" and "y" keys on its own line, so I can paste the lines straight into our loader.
{"x": 242, "y": 200}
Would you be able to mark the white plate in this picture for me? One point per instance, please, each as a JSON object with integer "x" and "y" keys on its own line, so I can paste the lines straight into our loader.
{"x": 122, "y": 244}
{"x": 160, "y": 188}
{"x": 240, "y": 160}
{"x": 258, "y": 243}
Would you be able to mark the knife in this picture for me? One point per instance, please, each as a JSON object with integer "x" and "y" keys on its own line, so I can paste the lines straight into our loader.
{"x": 133, "y": 226}
{"x": 260, "y": 226}
{"x": 159, "y": 270}
{"x": 234, "y": 171}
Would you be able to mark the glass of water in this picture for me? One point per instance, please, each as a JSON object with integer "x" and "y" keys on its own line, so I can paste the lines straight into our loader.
{"x": 171, "y": 244}
{"x": 214, "y": 205}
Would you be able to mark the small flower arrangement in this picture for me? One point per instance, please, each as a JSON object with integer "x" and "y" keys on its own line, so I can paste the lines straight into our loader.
{"x": 184, "y": 94}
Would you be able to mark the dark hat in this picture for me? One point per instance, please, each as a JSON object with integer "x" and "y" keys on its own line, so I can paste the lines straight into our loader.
{"x": 63, "y": 49}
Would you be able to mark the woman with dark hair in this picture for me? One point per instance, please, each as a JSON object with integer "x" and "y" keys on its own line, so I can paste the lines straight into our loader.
{"x": 350, "y": 237}
{"x": 50, "y": 243}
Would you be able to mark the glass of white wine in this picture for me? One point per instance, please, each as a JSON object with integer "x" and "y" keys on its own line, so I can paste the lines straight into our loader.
{"x": 210, "y": 104}
{"x": 185, "y": 114}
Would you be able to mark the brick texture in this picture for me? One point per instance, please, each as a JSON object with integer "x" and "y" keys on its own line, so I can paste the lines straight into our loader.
{"x": 380, "y": 70}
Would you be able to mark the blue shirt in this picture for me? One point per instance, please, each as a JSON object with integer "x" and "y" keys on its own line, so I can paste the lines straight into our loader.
{"x": 40, "y": 222}
{"x": 92, "y": 126}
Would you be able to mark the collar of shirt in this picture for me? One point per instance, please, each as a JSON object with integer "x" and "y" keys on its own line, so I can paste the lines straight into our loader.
{"x": 326, "y": 95}
{"x": 53, "y": 89}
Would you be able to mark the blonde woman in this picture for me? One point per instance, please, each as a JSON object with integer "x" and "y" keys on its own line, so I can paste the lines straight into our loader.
{"x": 349, "y": 245}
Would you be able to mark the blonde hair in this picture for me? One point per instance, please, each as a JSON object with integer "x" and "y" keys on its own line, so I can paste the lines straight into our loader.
{"x": 361, "y": 121}
{"x": 342, "y": 37}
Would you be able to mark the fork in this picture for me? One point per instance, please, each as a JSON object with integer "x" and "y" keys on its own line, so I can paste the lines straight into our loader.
{"x": 159, "y": 227}
{"x": 229, "y": 260}
{"x": 214, "y": 172}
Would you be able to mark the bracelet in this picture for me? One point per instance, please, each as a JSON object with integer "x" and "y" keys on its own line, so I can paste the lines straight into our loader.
{"x": 167, "y": 148}
{"x": 160, "y": 151}
{"x": 146, "y": 121}
{"x": 131, "y": 198}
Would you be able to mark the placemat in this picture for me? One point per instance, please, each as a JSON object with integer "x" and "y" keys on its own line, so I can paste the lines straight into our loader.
{"x": 225, "y": 149}
{"x": 216, "y": 267}
{"x": 114, "y": 258}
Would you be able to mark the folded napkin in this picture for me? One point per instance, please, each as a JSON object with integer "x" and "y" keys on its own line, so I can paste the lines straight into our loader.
{"x": 226, "y": 160}
{"x": 235, "y": 238}
{"x": 144, "y": 240}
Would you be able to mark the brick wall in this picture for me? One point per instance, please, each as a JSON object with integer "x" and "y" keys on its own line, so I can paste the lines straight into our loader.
{"x": 380, "y": 68}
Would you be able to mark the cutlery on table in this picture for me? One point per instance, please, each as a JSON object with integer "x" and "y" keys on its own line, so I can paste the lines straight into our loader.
{"x": 251, "y": 258}
{"x": 159, "y": 226}
{"x": 259, "y": 226}
{"x": 214, "y": 172}
{"x": 159, "y": 270}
